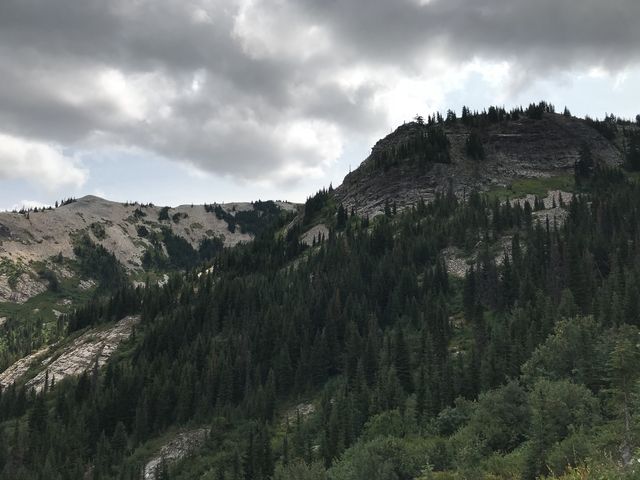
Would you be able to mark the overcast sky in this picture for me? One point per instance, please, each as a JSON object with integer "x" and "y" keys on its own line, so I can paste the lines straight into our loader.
{"x": 181, "y": 101}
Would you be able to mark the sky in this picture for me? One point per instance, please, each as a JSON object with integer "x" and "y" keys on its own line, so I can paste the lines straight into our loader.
{"x": 191, "y": 101}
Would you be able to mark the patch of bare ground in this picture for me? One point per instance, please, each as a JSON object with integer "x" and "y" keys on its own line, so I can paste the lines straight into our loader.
{"x": 314, "y": 233}
{"x": 91, "y": 349}
{"x": 179, "y": 447}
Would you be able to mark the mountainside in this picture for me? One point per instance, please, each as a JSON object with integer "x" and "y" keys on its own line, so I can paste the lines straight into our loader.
{"x": 467, "y": 337}
{"x": 54, "y": 261}
{"x": 406, "y": 166}
{"x": 35, "y": 241}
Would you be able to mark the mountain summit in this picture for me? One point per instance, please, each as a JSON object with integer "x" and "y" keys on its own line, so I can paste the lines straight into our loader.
{"x": 476, "y": 152}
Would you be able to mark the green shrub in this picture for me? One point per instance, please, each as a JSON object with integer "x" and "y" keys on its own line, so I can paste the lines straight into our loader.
{"x": 383, "y": 458}
{"x": 163, "y": 214}
{"x": 98, "y": 230}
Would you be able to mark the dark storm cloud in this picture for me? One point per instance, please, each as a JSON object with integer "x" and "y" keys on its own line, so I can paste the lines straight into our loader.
{"x": 257, "y": 89}
{"x": 555, "y": 31}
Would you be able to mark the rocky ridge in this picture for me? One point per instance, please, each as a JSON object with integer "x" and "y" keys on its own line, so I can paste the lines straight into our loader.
{"x": 514, "y": 149}
{"x": 29, "y": 242}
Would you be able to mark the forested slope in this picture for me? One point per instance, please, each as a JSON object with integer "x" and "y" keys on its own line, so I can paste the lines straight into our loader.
{"x": 341, "y": 346}
{"x": 523, "y": 368}
{"x": 55, "y": 260}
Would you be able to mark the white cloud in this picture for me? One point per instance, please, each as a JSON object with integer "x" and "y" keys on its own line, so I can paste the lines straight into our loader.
{"x": 273, "y": 28}
{"x": 273, "y": 91}
{"x": 39, "y": 164}
{"x": 27, "y": 204}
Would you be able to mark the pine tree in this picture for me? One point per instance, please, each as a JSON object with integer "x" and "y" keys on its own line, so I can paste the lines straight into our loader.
{"x": 341, "y": 218}
{"x": 401, "y": 361}
{"x": 623, "y": 368}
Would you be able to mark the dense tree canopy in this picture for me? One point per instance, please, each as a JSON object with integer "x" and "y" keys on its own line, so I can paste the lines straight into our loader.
{"x": 524, "y": 367}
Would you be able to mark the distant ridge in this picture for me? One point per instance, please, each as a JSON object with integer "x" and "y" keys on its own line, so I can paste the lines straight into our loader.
{"x": 403, "y": 167}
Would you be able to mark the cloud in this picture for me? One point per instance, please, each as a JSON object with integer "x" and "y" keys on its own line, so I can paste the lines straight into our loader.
{"x": 270, "y": 91}
{"x": 39, "y": 164}
{"x": 558, "y": 34}
{"x": 27, "y": 204}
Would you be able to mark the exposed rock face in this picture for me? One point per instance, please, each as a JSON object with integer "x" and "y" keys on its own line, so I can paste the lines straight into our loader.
{"x": 314, "y": 233}
{"x": 458, "y": 264}
{"x": 555, "y": 214}
{"x": 89, "y": 350}
{"x": 38, "y": 237}
{"x": 179, "y": 447}
{"x": 25, "y": 288}
{"x": 302, "y": 410}
{"x": 514, "y": 149}
{"x": 19, "y": 368}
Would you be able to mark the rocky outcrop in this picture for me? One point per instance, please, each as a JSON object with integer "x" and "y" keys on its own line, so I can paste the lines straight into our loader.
{"x": 314, "y": 233}
{"x": 19, "y": 368}
{"x": 516, "y": 149}
{"x": 21, "y": 290}
{"x": 90, "y": 350}
{"x": 458, "y": 263}
{"x": 180, "y": 446}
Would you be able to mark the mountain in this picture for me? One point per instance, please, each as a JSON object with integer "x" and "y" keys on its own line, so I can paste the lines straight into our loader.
{"x": 491, "y": 332}
{"x": 54, "y": 261}
{"x": 419, "y": 159}
{"x": 47, "y": 240}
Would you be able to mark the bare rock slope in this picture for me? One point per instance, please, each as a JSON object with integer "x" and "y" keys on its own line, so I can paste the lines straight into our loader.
{"x": 33, "y": 240}
{"x": 514, "y": 149}
{"x": 90, "y": 350}
{"x": 177, "y": 448}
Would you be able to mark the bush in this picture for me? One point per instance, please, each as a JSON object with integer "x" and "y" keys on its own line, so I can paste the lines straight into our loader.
{"x": 163, "y": 214}
{"x": 51, "y": 278}
{"x": 388, "y": 423}
{"x": 143, "y": 232}
{"x": 450, "y": 419}
{"x": 384, "y": 458}
{"x": 97, "y": 262}
{"x": 501, "y": 418}
{"x": 571, "y": 351}
{"x": 138, "y": 213}
{"x": 176, "y": 217}
{"x": 98, "y": 230}
{"x": 300, "y": 470}
{"x": 474, "y": 146}
{"x": 570, "y": 452}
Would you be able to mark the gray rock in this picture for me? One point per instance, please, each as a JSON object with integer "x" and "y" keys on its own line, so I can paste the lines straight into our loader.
{"x": 517, "y": 149}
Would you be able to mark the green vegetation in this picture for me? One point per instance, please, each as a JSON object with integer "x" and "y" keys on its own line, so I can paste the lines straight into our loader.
{"x": 34, "y": 323}
{"x": 222, "y": 214}
{"x": 528, "y": 367}
{"x": 632, "y": 154}
{"x": 142, "y": 231}
{"x": 253, "y": 221}
{"x": 474, "y": 147}
{"x": 98, "y": 230}
{"x": 423, "y": 144}
{"x": 95, "y": 261}
{"x": 138, "y": 213}
{"x": 180, "y": 255}
{"x": 163, "y": 214}
{"x": 176, "y": 217}
{"x": 12, "y": 270}
{"x": 536, "y": 111}
{"x": 259, "y": 218}
{"x": 539, "y": 186}
{"x": 319, "y": 208}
